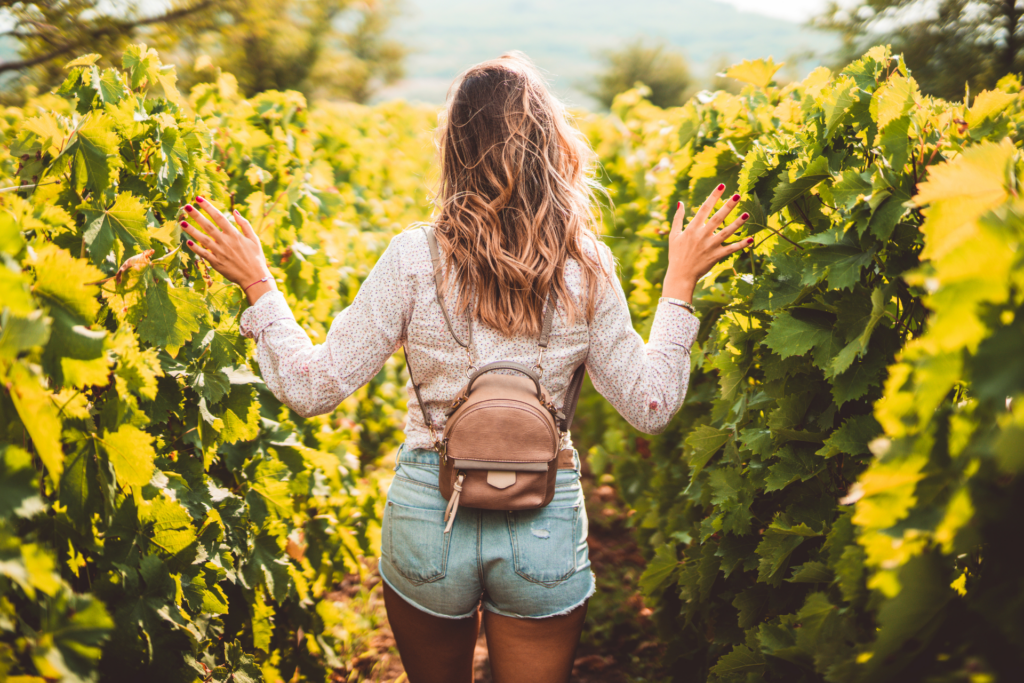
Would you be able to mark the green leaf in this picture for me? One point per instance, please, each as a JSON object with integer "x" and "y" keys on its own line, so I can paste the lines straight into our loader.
{"x": 96, "y": 146}
{"x": 856, "y": 381}
{"x": 704, "y": 442}
{"x": 852, "y": 437}
{"x": 853, "y": 186}
{"x": 131, "y": 453}
{"x": 789, "y": 191}
{"x": 660, "y": 570}
{"x": 791, "y": 336}
{"x": 125, "y": 219}
{"x": 751, "y": 604}
{"x": 266, "y": 565}
{"x": 811, "y": 572}
{"x": 172, "y": 530}
{"x": 19, "y": 493}
{"x": 21, "y": 333}
{"x": 142, "y": 63}
{"x": 173, "y": 315}
{"x": 738, "y": 664}
{"x": 79, "y": 488}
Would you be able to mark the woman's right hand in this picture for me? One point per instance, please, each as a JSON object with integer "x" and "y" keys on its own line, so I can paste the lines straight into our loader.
{"x": 694, "y": 250}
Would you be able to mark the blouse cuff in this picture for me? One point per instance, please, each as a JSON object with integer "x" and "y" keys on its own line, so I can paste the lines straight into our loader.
{"x": 267, "y": 310}
{"x": 674, "y": 324}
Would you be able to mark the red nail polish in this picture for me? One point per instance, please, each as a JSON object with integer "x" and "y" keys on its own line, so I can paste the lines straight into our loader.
{"x": 199, "y": 199}
{"x": 184, "y": 224}
{"x": 735, "y": 197}
{"x": 750, "y": 240}
{"x": 190, "y": 243}
{"x": 745, "y": 216}
{"x": 679, "y": 205}
{"x": 720, "y": 187}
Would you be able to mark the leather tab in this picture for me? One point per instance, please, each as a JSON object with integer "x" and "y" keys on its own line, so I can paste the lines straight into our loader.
{"x": 565, "y": 459}
{"x": 500, "y": 479}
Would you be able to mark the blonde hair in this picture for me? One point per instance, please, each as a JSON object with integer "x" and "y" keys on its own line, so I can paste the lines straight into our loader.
{"x": 515, "y": 197}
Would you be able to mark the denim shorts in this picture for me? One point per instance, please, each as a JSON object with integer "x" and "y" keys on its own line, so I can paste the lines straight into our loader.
{"x": 529, "y": 564}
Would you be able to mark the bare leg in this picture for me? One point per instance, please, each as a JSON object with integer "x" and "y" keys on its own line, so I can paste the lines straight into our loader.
{"x": 533, "y": 650}
{"x": 433, "y": 650}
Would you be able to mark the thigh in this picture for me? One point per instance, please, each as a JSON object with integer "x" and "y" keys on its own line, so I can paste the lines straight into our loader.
{"x": 433, "y": 649}
{"x": 535, "y": 650}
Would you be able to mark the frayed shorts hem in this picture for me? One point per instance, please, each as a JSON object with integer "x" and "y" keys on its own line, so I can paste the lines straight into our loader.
{"x": 590, "y": 594}
{"x": 380, "y": 568}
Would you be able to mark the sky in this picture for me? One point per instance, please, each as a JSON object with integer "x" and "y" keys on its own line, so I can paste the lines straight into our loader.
{"x": 789, "y": 10}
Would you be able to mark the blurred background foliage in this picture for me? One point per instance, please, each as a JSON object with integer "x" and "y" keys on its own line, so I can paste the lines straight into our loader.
{"x": 334, "y": 49}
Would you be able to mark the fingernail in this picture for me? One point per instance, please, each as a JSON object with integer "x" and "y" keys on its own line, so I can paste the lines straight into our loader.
{"x": 679, "y": 205}
{"x": 745, "y": 216}
{"x": 750, "y": 240}
{"x": 184, "y": 224}
{"x": 735, "y": 197}
{"x": 720, "y": 187}
{"x": 199, "y": 199}
{"x": 190, "y": 243}
{"x": 188, "y": 207}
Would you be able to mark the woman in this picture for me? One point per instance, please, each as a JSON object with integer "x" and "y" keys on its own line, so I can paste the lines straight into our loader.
{"x": 514, "y": 221}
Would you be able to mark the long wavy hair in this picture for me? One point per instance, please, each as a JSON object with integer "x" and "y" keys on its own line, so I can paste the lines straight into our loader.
{"x": 516, "y": 197}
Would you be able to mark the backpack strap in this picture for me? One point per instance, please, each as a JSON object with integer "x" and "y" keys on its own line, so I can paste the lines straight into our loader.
{"x": 572, "y": 393}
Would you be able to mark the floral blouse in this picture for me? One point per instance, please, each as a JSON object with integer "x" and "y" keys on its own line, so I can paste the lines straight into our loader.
{"x": 397, "y": 306}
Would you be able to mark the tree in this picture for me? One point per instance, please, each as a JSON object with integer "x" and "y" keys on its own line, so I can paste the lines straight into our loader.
{"x": 328, "y": 48}
{"x": 50, "y": 32}
{"x": 322, "y": 48}
{"x": 663, "y": 70}
{"x": 947, "y": 44}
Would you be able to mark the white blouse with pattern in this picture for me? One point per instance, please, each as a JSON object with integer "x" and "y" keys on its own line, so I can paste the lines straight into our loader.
{"x": 397, "y": 306}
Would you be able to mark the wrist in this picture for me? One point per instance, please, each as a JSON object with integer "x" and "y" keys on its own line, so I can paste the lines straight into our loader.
{"x": 258, "y": 289}
{"x": 679, "y": 288}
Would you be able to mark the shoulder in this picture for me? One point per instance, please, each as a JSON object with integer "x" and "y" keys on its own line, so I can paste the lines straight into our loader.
{"x": 594, "y": 248}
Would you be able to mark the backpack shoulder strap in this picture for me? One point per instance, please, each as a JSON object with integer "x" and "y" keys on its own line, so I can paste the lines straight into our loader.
{"x": 435, "y": 261}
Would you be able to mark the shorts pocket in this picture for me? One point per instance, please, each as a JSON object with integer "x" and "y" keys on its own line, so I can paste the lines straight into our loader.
{"x": 416, "y": 543}
{"x": 544, "y": 543}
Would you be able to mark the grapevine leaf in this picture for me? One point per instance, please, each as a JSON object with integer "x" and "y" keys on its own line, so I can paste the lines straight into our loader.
{"x": 172, "y": 530}
{"x": 39, "y": 415}
{"x": 18, "y": 333}
{"x": 142, "y": 63}
{"x": 62, "y": 280}
{"x": 852, "y": 437}
{"x": 266, "y": 565}
{"x": 660, "y": 570}
{"x": 125, "y": 220}
{"x": 84, "y": 60}
{"x": 173, "y": 315}
{"x": 96, "y": 146}
{"x": 19, "y": 493}
{"x": 131, "y": 453}
{"x": 78, "y": 488}
{"x": 852, "y": 188}
{"x": 704, "y": 442}
{"x": 988, "y": 105}
{"x": 857, "y": 380}
{"x": 791, "y": 336}
{"x": 758, "y": 73}
{"x": 789, "y": 191}
{"x": 739, "y": 663}
{"x": 811, "y": 572}
{"x": 751, "y": 604}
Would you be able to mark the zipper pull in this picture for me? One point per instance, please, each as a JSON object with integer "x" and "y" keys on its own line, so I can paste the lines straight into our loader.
{"x": 453, "y": 504}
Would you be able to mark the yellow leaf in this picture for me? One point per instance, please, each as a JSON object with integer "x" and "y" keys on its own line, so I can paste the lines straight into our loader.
{"x": 85, "y": 373}
{"x": 959, "y": 511}
{"x": 84, "y": 60}
{"x": 987, "y": 105}
{"x": 62, "y": 278}
{"x": 39, "y": 415}
{"x": 757, "y": 73}
{"x": 893, "y": 100}
{"x": 957, "y": 192}
{"x": 131, "y": 453}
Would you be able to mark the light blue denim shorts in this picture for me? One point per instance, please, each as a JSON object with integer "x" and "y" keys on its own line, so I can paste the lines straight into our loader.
{"x": 528, "y": 564}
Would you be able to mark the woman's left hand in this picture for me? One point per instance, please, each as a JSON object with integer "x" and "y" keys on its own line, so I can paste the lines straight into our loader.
{"x": 237, "y": 255}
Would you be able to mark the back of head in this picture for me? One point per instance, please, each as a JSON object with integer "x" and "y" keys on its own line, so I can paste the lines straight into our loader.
{"x": 516, "y": 196}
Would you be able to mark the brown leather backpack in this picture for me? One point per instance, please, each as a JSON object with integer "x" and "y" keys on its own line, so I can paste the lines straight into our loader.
{"x": 501, "y": 446}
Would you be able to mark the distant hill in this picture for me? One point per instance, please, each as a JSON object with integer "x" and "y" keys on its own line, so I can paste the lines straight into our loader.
{"x": 563, "y": 37}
